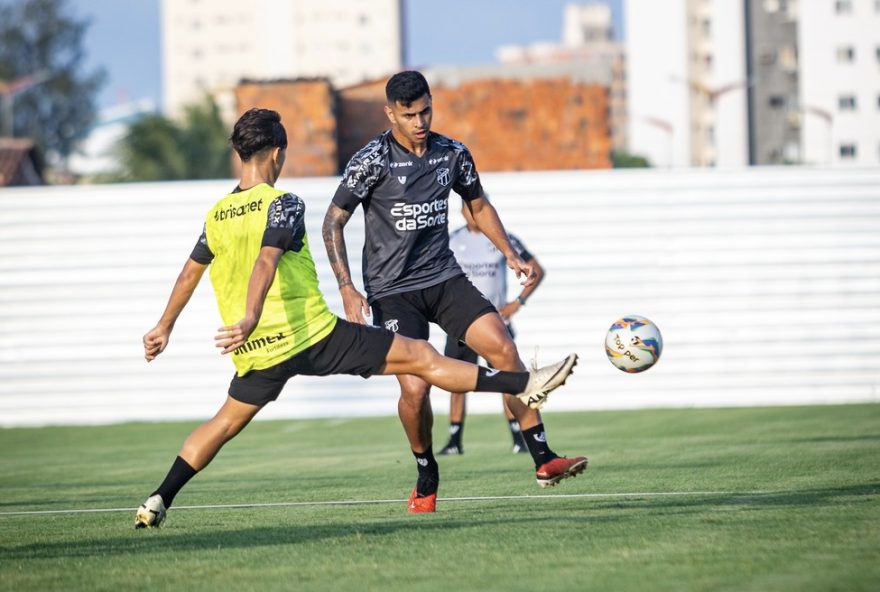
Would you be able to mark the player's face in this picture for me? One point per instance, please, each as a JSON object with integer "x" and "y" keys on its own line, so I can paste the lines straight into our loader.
{"x": 411, "y": 123}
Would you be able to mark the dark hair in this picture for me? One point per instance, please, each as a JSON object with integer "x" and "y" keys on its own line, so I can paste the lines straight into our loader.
{"x": 257, "y": 130}
{"x": 406, "y": 87}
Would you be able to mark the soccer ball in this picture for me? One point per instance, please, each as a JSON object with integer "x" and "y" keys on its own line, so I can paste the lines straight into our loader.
{"x": 633, "y": 344}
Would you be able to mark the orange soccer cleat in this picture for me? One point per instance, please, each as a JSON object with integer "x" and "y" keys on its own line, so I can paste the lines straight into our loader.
{"x": 554, "y": 471}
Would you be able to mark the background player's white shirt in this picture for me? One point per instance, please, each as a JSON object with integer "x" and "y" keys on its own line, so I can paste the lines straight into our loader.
{"x": 484, "y": 264}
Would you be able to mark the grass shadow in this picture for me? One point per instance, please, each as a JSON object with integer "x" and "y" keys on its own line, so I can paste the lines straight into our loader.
{"x": 168, "y": 540}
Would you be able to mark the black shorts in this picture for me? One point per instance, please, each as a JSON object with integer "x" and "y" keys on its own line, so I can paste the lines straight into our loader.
{"x": 454, "y": 305}
{"x": 349, "y": 349}
{"x": 458, "y": 349}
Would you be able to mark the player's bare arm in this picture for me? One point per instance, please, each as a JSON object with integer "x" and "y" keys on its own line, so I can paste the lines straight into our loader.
{"x": 156, "y": 339}
{"x": 231, "y": 337}
{"x": 355, "y": 304}
{"x": 513, "y": 307}
{"x": 489, "y": 223}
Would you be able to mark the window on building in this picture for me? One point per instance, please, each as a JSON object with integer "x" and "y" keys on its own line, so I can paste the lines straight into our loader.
{"x": 847, "y": 151}
{"x": 846, "y": 102}
{"x": 843, "y": 6}
{"x": 707, "y": 28}
{"x": 846, "y": 54}
{"x": 767, "y": 57}
{"x": 777, "y": 101}
{"x": 788, "y": 58}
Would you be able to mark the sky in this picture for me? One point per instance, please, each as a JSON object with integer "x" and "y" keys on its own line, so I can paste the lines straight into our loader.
{"x": 124, "y": 37}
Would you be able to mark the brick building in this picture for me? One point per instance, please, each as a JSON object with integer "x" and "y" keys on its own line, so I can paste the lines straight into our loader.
{"x": 527, "y": 125}
{"x": 308, "y": 111}
{"x": 524, "y": 123}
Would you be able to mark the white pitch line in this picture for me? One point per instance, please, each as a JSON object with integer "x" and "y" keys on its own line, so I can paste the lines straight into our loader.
{"x": 401, "y": 501}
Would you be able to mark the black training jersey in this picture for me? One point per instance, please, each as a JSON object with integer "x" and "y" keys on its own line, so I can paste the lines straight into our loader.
{"x": 405, "y": 200}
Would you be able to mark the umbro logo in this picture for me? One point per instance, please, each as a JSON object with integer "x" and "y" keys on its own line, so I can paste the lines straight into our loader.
{"x": 423, "y": 462}
{"x": 401, "y": 179}
{"x": 542, "y": 437}
{"x": 391, "y": 325}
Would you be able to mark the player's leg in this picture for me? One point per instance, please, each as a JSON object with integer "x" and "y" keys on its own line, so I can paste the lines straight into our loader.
{"x": 489, "y": 337}
{"x": 519, "y": 442}
{"x": 247, "y": 395}
{"x": 417, "y": 418}
{"x": 403, "y": 314}
{"x": 457, "y": 401}
{"x": 418, "y": 365}
{"x": 205, "y": 441}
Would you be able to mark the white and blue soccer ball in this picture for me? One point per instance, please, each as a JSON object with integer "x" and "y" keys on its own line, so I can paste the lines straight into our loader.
{"x": 633, "y": 344}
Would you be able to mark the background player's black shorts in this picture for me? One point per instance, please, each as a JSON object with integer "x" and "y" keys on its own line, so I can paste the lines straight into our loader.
{"x": 458, "y": 350}
{"x": 453, "y": 304}
{"x": 349, "y": 349}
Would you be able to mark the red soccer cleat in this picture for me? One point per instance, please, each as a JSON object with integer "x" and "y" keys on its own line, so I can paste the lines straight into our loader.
{"x": 418, "y": 505}
{"x": 554, "y": 471}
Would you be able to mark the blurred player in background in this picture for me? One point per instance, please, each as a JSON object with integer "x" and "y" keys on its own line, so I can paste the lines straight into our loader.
{"x": 402, "y": 179}
{"x": 277, "y": 322}
{"x": 486, "y": 268}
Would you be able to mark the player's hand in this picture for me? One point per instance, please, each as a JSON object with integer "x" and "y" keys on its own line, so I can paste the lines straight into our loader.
{"x": 155, "y": 341}
{"x": 524, "y": 272}
{"x": 232, "y": 337}
{"x": 509, "y": 309}
{"x": 356, "y": 306}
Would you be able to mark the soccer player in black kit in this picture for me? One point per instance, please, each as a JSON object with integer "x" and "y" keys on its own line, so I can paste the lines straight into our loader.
{"x": 402, "y": 179}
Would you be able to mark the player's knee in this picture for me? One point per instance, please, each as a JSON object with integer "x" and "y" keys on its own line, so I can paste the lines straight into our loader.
{"x": 414, "y": 392}
{"x": 422, "y": 353}
{"x": 505, "y": 356}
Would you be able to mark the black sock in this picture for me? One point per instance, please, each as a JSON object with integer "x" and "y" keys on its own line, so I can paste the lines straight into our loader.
{"x": 501, "y": 381}
{"x": 515, "y": 432}
{"x": 429, "y": 472}
{"x": 455, "y": 430}
{"x": 177, "y": 477}
{"x": 536, "y": 440}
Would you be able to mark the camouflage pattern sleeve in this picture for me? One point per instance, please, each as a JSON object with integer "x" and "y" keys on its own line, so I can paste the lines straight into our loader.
{"x": 467, "y": 181}
{"x": 362, "y": 173}
{"x": 285, "y": 224}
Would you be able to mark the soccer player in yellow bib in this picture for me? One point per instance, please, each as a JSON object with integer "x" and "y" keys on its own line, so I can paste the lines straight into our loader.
{"x": 277, "y": 324}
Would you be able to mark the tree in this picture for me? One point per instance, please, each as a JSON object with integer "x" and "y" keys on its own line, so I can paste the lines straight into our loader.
{"x": 38, "y": 38}
{"x": 625, "y": 160}
{"x": 159, "y": 149}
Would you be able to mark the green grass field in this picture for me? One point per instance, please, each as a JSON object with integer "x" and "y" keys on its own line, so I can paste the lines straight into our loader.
{"x": 766, "y": 499}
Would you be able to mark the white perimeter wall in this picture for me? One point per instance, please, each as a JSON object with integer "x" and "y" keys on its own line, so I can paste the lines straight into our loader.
{"x": 765, "y": 283}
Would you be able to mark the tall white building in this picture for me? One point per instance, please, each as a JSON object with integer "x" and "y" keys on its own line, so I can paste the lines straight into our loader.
{"x": 209, "y": 45}
{"x": 840, "y": 81}
{"x": 686, "y": 79}
{"x": 731, "y": 83}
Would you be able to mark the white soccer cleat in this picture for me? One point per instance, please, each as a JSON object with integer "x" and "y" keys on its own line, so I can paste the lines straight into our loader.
{"x": 151, "y": 514}
{"x": 542, "y": 381}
